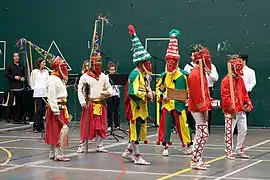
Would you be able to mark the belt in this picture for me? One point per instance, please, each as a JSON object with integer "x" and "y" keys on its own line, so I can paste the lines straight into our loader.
{"x": 62, "y": 103}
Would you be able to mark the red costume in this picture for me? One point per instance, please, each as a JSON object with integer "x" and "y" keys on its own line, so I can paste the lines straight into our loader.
{"x": 196, "y": 101}
{"x": 235, "y": 104}
{"x": 57, "y": 114}
{"x": 199, "y": 104}
{"x": 92, "y": 86}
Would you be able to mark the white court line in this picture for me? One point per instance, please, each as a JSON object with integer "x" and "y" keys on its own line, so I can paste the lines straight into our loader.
{"x": 23, "y": 137}
{"x": 256, "y": 145}
{"x": 10, "y": 141}
{"x": 35, "y": 138}
{"x": 189, "y": 156}
{"x": 67, "y": 155}
{"x": 113, "y": 152}
{"x": 128, "y": 172}
{"x": 206, "y": 147}
{"x": 238, "y": 170}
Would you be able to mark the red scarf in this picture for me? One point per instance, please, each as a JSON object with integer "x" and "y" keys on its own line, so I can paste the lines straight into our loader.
{"x": 57, "y": 74}
{"x": 92, "y": 74}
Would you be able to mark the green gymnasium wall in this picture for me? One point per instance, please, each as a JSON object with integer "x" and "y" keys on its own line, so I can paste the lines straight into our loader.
{"x": 225, "y": 27}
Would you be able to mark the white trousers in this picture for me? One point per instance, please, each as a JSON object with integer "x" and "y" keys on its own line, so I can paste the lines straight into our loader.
{"x": 201, "y": 136}
{"x": 230, "y": 123}
{"x": 98, "y": 142}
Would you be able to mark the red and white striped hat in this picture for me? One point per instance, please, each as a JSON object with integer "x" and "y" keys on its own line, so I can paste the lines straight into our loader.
{"x": 172, "y": 51}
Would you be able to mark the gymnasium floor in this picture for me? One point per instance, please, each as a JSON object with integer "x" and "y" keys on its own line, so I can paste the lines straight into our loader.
{"x": 30, "y": 160}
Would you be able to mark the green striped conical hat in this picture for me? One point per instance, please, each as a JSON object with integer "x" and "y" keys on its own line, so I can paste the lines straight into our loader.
{"x": 139, "y": 53}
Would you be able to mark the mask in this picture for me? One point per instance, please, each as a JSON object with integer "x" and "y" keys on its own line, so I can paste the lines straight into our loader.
{"x": 147, "y": 66}
{"x": 171, "y": 65}
{"x": 238, "y": 66}
{"x": 204, "y": 55}
{"x": 59, "y": 64}
{"x": 63, "y": 70}
{"x": 96, "y": 64}
{"x": 207, "y": 59}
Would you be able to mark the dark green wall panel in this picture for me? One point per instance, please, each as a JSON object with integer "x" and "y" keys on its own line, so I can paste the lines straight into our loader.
{"x": 240, "y": 25}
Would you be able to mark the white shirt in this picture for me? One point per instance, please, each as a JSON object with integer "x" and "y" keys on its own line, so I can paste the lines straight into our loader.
{"x": 38, "y": 82}
{"x": 249, "y": 78}
{"x": 55, "y": 89}
{"x": 115, "y": 88}
{"x": 211, "y": 78}
{"x": 96, "y": 86}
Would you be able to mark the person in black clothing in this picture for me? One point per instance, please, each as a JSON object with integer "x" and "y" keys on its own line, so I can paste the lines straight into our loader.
{"x": 113, "y": 102}
{"x": 15, "y": 74}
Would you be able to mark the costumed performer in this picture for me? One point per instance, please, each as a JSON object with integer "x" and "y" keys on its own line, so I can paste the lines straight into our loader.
{"x": 173, "y": 110}
{"x": 136, "y": 95}
{"x": 199, "y": 103}
{"x": 94, "y": 103}
{"x": 235, "y": 104}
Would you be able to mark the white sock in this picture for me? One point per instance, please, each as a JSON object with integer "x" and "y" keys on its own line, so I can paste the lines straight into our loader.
{"x": 129, "y": 148}
{"x": 99, "y": 141}
{"x": 58, "y": 152}
{"x": 135, "y": 147}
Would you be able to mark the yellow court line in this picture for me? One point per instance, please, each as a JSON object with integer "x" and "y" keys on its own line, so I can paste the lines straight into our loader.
{"x": 9, "y": 156}
{"x": 210, "y": 161}
{"x": 189, "y": 169}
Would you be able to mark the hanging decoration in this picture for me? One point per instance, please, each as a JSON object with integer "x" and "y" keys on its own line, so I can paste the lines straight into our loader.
{"x": 95, "y": 40}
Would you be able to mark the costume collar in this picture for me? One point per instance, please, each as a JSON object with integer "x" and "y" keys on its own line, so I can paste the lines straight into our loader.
{"x": 92, "y": 74}
{"x": 56, "y": 74}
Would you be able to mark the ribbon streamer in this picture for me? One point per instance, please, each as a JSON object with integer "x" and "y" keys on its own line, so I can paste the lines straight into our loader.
{"x": 93, "y": 42}
{"x": 28, "y": 68}
{"x": 31, "y": 57}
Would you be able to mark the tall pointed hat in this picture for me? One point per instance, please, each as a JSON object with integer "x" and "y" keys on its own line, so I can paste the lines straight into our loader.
{"x": 172, "y": 50}
{"x": 172, "y": 55}
{"x": 95, "y": 58}
{"x": 139, "y": 53}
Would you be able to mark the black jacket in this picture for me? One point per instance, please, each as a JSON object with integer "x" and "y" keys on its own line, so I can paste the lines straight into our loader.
{"x": 12, "y": 71}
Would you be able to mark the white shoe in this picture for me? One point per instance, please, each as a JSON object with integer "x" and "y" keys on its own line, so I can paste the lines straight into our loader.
{"x": 187, "y": 151}
{"x": 127, "y": 155}
{"x": 140, "y": 161}
{"x": 165, "y": 152}
{"x": 230, "y": 156}
{"x": 61, "y": 158}
{"x": 207, "y": 165}
{"x": 101, "y": 149}
{"x": 81, "y": 149}
{"x": 198, "y": 166}
{"x": 242, "y": 154}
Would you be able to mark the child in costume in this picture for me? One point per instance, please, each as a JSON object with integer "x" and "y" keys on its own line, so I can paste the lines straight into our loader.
{"x": 93, "y": 103}
{"x": 199, "y": 103}
{"x": 235, "y": 104}
{"x": 136, "y": 97}
{"x": 173, "y": 110}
